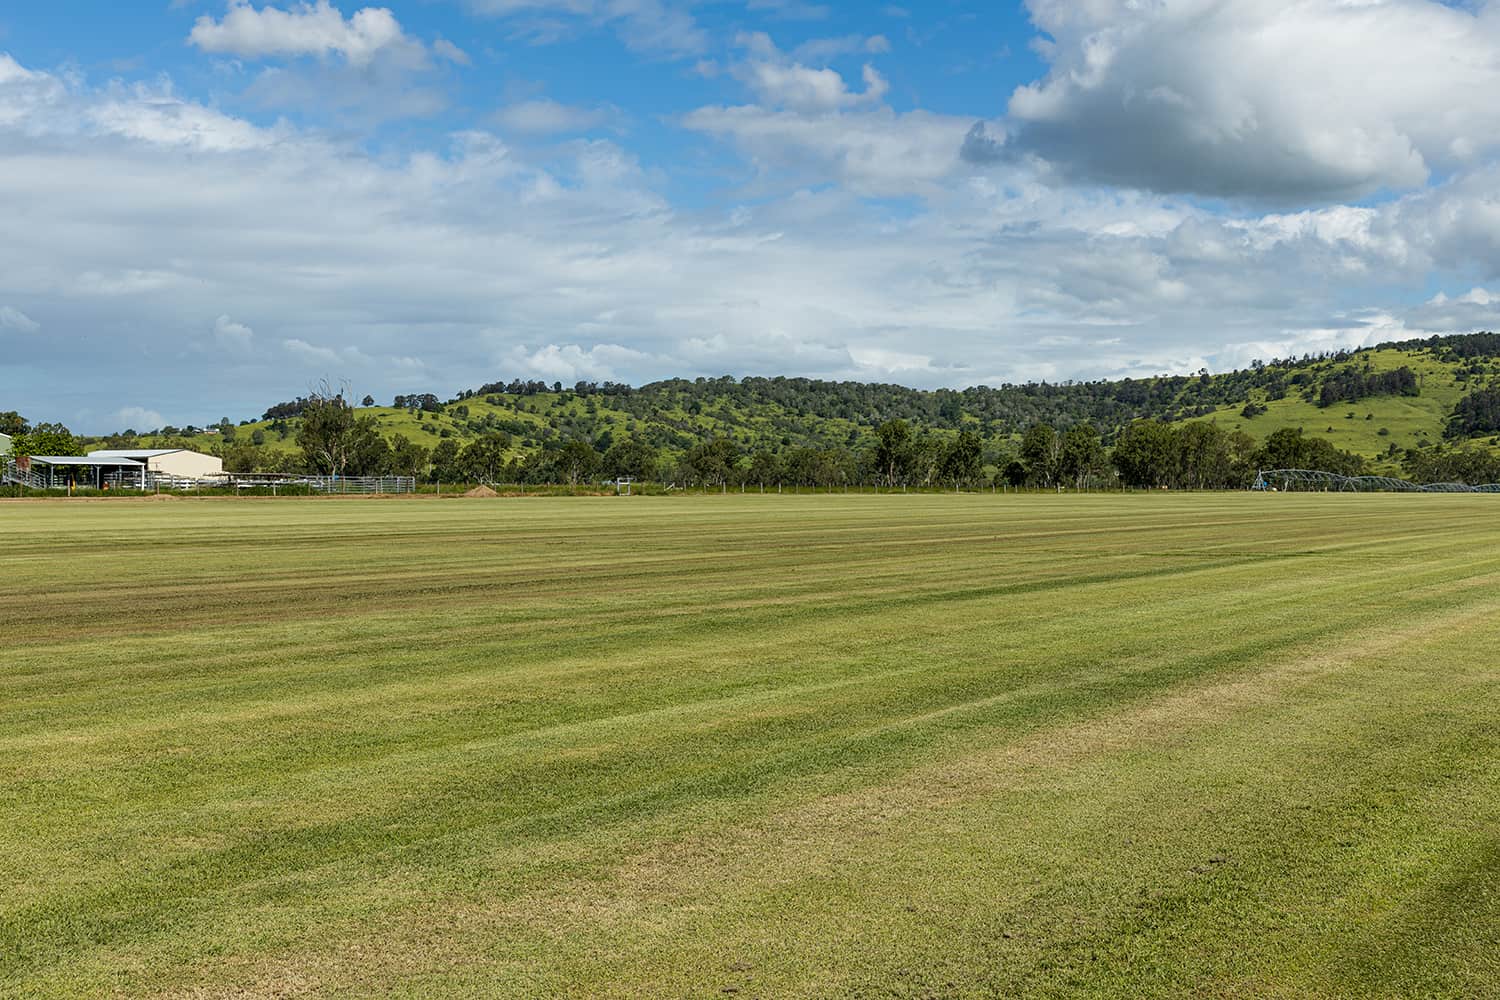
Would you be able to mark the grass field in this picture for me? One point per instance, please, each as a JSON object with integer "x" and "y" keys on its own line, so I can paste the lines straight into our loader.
{"x": 1187, "y": 745}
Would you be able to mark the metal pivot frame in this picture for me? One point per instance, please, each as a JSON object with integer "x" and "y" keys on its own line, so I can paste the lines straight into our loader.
{"x": 1291, "y": 480}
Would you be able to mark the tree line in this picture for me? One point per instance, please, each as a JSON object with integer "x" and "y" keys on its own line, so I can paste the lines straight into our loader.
{"x": 1148, "y": 454}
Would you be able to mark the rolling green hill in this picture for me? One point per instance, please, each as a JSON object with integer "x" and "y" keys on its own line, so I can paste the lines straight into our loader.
{"x": 783, "y": 414}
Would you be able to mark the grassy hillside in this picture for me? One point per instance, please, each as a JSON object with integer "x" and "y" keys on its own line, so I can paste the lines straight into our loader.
{"x": 1357, "y": 426}
{"x": 780, "y": 414}
{"x": 1154, "y": 746}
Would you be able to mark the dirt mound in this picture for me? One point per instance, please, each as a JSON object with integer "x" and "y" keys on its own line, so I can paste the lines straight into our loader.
{"x": 160, "y": 496}
{"x": 481, "y": 491}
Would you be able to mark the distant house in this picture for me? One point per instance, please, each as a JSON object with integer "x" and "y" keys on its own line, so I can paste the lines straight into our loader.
{"x": 4, "y": 445}
{"x": 178, "y": 463}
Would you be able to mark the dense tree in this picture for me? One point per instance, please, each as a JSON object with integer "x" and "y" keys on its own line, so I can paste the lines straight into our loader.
{"x": 1146, "y": 454}
{"x": 894, "y": 452}
{"x": 1350, "y": 385}
{"x": 632, "y": 458}
{"x": 1476, "y": 413}
{"x": 1041, "y": 454}
{"x": 1082, "y": 458}
{"x": 445, "y": 466}
{"x": 805, "y": 467}
{"x": 240, "y": 457}
{"x": 1012, "y": 473}
{"x": 765, "y": 469}
{"x": 1289, "y": 448}
{"x": 13, "y": 424}
{"x": 576, "y": 461}
{"x": 963, "y": 460}
{"x": 1203, "y": 458}
{"x": 409, "y": 458}
{"x": 1467, "y": 464}
{"x": 45, "y": 439}
{"x": 370, "y": 453}
{"x": 329, "y": 433}
{"x": 484, "y": 460}
{"x": 712, "y": 462}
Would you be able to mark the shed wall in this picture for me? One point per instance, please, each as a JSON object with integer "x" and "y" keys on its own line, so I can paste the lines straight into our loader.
{"x": 187, "y": 465}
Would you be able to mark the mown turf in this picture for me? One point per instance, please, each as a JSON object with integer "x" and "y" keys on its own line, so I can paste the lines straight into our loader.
{"x": 1211, "y": 745}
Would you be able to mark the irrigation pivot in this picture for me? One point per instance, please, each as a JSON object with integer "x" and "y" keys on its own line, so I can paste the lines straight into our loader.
{"x": 1288, "y": 480}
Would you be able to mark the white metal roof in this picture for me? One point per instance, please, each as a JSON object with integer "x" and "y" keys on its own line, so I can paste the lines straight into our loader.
{"x": 134, "y": 452}
{"x": 94, "y": 459}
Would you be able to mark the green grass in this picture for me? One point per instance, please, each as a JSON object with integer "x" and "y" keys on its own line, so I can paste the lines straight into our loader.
{"x": 1189, "y": 745}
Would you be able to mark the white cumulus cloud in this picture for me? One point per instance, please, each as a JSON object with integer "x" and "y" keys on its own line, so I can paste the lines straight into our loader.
{"x": 236, "y": 338}
{"x": 138, "y": 418}
{"x": 314, "y": 29}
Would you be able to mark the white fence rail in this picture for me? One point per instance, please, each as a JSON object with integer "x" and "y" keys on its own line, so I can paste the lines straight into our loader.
{"x": 318, "y": 484}
{"x": 30, "y": 478}
{"x": 362, "y": 484}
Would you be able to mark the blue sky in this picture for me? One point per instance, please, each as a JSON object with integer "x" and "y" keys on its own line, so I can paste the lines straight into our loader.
{"x": 214, "y": 205}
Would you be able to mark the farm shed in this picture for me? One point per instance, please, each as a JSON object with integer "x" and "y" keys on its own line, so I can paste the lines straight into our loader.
{"x": 178, "y": 463}
{"x": 50, "y": 471}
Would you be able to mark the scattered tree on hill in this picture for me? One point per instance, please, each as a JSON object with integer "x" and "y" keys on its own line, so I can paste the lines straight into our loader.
{"x": 1349, "y": 385}
{"x": 283, "y": 411}
{"x": 424, "y": 402}
{"x": 1476, "y": 413}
